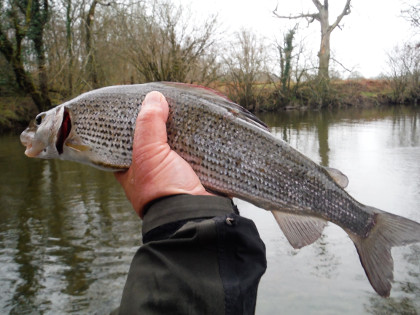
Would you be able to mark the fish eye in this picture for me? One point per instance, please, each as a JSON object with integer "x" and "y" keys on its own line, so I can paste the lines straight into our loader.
{"x": 38, "y": 119}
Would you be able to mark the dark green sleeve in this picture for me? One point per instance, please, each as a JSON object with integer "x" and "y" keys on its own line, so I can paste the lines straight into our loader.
{"x": 198, "y": 257}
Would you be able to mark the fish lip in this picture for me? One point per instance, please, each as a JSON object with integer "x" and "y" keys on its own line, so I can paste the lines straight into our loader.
{"x": 27, "y": 137}
{"x": 31, "y": 151}
{"x": 34, "y": 146}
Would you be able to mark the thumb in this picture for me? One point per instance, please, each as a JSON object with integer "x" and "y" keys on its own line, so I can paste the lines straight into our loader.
{"x": 151, "y": 121}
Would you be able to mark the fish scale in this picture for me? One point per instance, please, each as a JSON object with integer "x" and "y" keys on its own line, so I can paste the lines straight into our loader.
{"x": 233, "y": 154}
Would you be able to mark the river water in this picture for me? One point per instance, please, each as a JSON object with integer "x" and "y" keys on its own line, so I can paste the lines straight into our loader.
{"x": 67, "y": 233}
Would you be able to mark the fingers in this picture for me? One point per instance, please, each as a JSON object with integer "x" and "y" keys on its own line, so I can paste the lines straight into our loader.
{"x": 151, "y": 121}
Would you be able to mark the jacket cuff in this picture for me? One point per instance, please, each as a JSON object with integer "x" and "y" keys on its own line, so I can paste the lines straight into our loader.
{"x": 182, "y": 207}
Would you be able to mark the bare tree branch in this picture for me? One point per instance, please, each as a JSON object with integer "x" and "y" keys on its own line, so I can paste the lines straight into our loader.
{"x": 318, "y": 4}
{"x": 346, "y": 11}
{"x": 336, "y": 61}
{"x": 313, "y": 16}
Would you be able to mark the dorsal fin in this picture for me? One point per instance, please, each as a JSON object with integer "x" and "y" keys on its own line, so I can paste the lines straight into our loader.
{"x": 181, "y": 85}
{"x": 338, "y": 177}
{"x": 299, "y": 230}
{"x": 223, "y": 101}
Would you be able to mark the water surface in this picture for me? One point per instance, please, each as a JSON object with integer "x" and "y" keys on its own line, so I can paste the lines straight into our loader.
{"x": 67, "y": 233}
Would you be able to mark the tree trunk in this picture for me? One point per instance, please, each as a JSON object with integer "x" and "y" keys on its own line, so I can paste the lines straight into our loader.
{"x": 69, "y": 40}
{"x": 12, "y": 52}
{"x": 324, "y": 50}
{"x": 91, "y": 68}
{"x": 40, "y": 18}
{"x": 42, "y": 75}
{"x": 24, "y": 79}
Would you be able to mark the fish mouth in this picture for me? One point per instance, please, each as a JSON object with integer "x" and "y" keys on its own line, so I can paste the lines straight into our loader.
{"x": 32, "y": 151}
{"x": 33, "y": 147}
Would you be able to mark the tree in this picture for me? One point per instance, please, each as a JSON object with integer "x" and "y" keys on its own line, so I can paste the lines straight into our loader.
{"x": 40, "y": 16}
{"x": 165, "y": 46}
{"x": 322, "y": 16}
{"x": 404, "y": 76}
{"x": 292, "y": 66}
{"x": 245, "y": 67}
{"x": 22, "y": 28}
{"x": 412, "y": 14}
{"x": 91, "y": 62}
{"x": 69, "y": 45}
{"x": 285, "y": 54}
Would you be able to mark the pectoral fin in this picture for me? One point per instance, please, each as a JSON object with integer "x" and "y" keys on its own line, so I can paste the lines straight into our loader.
{"x": 299, "y": 230}
{"x": 77, "y": 147}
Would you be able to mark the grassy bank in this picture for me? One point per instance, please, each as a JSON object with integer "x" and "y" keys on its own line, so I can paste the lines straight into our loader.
{"x": 17, "y": 111}
{"x": 363, "y": 93}
{"x": 310, "y": 95}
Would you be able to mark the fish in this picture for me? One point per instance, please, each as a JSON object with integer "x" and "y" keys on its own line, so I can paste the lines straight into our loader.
{"x": 233, "y": 154}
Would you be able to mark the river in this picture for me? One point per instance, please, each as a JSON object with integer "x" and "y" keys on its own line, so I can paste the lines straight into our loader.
{"x": 67, "y": 233}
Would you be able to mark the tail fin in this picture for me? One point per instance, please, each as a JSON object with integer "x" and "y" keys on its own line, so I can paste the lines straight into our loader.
{"x": 375, "y": 250}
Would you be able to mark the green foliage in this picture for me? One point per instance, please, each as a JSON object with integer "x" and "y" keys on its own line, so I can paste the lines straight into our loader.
{"x": 21, "y": 35}
{"x": 15, "y": 112}
{"x": 8, "y": 83}
{"x": 286, "y": 60}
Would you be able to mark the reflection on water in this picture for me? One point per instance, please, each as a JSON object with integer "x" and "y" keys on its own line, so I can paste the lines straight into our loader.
{"x": 67, "y": 233}
{"x": 63, "y": 235}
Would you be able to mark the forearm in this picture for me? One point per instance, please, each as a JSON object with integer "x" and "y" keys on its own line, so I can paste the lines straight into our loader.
{"x": 199, "y": 257}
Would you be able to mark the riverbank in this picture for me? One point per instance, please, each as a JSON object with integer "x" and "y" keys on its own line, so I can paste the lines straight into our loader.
{"x": 17, "y": 111}
{"x": 363, "y": 93}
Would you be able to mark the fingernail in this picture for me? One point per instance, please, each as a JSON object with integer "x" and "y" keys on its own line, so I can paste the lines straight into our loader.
{"x": 153, "y": 97}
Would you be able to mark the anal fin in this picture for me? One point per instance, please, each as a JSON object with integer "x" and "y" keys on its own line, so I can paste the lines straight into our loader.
{"x": 299, "y": 230}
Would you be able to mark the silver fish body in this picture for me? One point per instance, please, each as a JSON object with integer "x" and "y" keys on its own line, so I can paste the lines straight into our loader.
{"x": 233, "y": 153}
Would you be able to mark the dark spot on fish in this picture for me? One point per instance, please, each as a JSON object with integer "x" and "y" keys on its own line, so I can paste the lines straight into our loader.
{"x": 64, "y": 131}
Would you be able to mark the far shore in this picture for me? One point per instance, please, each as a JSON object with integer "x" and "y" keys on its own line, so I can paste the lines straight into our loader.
{"x": 16, "y": 111}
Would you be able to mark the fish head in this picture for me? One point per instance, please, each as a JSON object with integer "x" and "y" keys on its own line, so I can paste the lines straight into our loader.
{"x": 44, "y": 136}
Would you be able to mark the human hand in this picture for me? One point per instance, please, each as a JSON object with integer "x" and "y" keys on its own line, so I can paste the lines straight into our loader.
{"x": 156, "y": 170}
